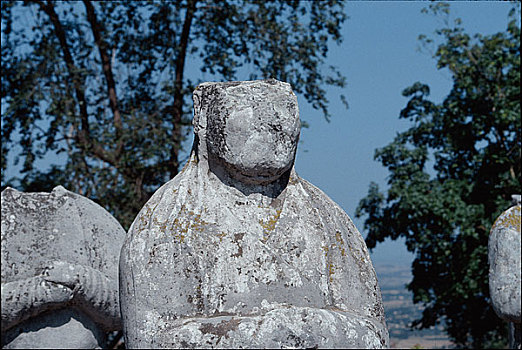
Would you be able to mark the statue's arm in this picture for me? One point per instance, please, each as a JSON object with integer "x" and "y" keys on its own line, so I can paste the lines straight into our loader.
{"x": 27, "y": 298}
{"x": 93, "y": 291}
{"x": 62, "y": 283}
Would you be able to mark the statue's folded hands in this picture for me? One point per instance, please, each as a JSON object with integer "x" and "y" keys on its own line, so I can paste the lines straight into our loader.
{"x": 23, "y": 299}
{"x": 59, "y": 270}
{"x": 91, "y": 289}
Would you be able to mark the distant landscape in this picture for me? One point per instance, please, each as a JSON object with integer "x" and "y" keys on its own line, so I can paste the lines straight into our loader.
{"x": 400, "y": 311}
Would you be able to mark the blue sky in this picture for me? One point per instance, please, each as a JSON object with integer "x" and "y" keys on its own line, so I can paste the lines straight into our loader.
{"x": 379, "y": 57}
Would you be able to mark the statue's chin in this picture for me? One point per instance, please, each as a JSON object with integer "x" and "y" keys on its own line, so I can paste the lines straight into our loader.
{"x": 257, "y": 179}
{"x": 257, "y": 174}
{"x": 253, "y": 175}
{"x": 255, "y": 169}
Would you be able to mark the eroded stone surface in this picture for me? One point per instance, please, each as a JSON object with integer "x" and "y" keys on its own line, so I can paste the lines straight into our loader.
{"x": 504, "y": 264}
{"x": 60, "y": 255}
{"x": 237, "y": 250}
{"x": 504, "y": 253}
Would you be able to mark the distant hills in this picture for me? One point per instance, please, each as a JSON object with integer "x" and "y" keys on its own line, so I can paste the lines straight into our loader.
{"x": 400, "y": 311}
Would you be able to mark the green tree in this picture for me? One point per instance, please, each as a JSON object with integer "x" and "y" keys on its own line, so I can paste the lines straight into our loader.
{"x": 105, "y": 83}
{"x": 451, "y": 175}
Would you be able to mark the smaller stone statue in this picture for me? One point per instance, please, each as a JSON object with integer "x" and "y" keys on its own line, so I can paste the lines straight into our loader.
{"x": 504, "y": 269}
{"x": 60, "y": 256}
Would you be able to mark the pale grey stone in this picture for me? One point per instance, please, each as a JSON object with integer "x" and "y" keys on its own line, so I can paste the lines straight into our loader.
{"x": 60, "y": 254}
{"x": 60, "y": 329}
{"x": 504, "y": 249}
{"x": 239, "y": 251}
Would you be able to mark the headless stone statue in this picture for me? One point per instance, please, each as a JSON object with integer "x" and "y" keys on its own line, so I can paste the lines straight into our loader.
{"x": 237, "y": 251}
{"x": 504, "y": 270}
{"x": 60, "y": 256}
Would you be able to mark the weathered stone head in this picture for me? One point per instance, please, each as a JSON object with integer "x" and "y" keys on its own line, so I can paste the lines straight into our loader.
{"x": 251, "y": 129}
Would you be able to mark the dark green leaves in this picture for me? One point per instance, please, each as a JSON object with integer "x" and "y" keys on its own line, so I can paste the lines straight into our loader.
{"x": 104, "y": 83}
{"x": 445, "y": 212}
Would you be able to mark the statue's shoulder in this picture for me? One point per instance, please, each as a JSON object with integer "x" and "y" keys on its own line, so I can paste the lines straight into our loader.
{"x": 167, "y": 193}
{"x": 328, "y": 209}
{"x": 508, "y": 220}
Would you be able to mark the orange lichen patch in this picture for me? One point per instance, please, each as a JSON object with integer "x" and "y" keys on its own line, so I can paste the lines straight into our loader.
{"x": 270, "y": 224}
{"x": 221, "y": 235}
{"x": 144, "y": 220}
{"x": 509, "y": 219}
{"x": 186, "y": 222}
{"x": 329, "y": 265}
{"x": 331, "y": 271}
{"x": 162, "y": 225}
{"x": 325, "y": 248}
{"x": 293, "y": 180}
{"x": 192, "y": 160}
{"x": 185, "y": 166}
{"x": 145, "y": 216}
{"x": 179, "y": 230}
{"x": 340, "y": 242}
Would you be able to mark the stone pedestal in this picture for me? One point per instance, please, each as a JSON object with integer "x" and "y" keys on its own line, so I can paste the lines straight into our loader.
{"x": 237, "y": 251}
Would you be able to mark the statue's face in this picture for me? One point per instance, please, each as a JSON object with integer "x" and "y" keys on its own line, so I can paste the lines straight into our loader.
{"x": 254, "y": 129}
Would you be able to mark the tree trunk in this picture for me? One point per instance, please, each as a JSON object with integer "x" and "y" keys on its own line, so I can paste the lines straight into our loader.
{"x": 178, "y": 88}
{"x": 107, "y": 71}
{"x": 83, "y": 135}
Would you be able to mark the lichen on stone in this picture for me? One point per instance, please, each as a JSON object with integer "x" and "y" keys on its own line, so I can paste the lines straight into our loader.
{"x": 269, "y": 224}
{"x": 510, "y": 219}
{"x": 243, "y": 241}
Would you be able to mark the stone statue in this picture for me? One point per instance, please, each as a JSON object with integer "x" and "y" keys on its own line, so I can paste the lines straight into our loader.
{"x": 237, "y": 251}
{"x": 504, "y": 269}
{"x": 60, "y": 255}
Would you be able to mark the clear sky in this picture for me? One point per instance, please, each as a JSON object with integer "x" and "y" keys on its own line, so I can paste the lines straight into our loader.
{"x": 379, "y": 57}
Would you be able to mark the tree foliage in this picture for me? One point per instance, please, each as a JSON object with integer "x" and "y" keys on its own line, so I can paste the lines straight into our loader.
{"x": 473, "y": 141}
{"x": 106, "y": 83}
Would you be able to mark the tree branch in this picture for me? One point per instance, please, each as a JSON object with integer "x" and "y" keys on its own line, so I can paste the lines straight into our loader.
{"x": 107, "y": 71}
{"x": 178, "y": 86}
{"x": 84, "y": 137}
